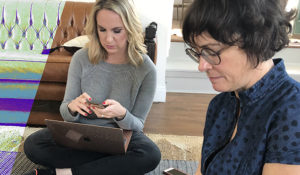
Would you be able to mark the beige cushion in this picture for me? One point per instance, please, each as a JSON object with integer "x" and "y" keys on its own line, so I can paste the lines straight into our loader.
{"x": 79, "y": 41}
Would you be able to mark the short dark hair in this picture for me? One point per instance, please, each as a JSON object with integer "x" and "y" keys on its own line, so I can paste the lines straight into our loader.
{"x": 259, "y": 27}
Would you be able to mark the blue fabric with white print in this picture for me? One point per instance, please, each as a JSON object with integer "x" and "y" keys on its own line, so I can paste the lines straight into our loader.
{"x": 268, "y": 129}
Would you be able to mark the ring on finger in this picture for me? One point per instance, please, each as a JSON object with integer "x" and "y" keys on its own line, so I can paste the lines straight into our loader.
{"x": 102, "y": 115}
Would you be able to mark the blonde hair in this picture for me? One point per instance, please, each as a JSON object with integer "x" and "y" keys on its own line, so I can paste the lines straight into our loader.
{"x": 133, "y": 26}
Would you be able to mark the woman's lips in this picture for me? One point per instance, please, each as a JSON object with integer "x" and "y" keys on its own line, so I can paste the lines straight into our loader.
{"x": 109, "y": 46}
{"x": 214, "y": 79}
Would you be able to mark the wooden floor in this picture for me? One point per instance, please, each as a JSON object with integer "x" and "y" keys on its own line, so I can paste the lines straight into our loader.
{"x": 182, "y": 114}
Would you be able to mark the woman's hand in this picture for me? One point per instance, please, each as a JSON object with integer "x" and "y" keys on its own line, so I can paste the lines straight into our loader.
{"x": 113, "y": 109}
{"x": 80, "y": 105}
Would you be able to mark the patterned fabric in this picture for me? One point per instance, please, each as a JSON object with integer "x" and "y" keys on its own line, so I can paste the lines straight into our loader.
{"x": 20, "y": 75}
{"x": 6, "y": 162}
{"x": 26, "y": 28}
{"x": 267, "y": 131}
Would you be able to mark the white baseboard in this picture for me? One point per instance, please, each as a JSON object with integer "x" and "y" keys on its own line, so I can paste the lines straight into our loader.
{"x": 188, "y": 82}
{"x": 191, "y": 81}
{"x": 160, "y": 94}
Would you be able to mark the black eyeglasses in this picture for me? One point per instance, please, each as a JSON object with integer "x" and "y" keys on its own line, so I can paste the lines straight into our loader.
{"x": 211, "y": 56}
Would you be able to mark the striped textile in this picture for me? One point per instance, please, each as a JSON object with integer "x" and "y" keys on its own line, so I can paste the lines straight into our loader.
{"x": 26, "y": 28}
{"x": 20, "y": 75}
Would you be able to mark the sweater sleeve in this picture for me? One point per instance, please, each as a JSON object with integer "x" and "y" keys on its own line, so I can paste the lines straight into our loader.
{"x": 135, "y": 119}
{"x": 73, "y": 88}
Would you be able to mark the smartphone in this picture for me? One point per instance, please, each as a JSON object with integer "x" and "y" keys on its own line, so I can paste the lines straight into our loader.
{"x": 93, "y": 115}
{"x": 173, "y": 171}
{"x": 101, "y": 106}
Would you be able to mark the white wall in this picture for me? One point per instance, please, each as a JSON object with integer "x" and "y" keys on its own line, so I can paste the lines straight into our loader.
{"x": 160, "y": 11}
{"x": 290, "y": 55}
{"x": 182, "y": 73}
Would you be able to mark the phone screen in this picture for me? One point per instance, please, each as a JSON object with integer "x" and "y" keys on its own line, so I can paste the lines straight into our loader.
{"x": 175, "y": 172}
{"x": 101, "y": 106}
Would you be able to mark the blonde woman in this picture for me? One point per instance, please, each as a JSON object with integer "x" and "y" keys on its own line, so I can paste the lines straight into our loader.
{"x": 115, "y": 71}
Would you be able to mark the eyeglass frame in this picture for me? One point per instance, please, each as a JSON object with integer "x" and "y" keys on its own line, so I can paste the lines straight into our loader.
{"x": 197, "y": 55}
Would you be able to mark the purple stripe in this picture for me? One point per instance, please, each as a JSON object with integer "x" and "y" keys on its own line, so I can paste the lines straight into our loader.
{"x": 11, "y": 104}
{"x": 13, "y": 124}
{"x": 19, "y": 81}
{"x": 25, "y": 61}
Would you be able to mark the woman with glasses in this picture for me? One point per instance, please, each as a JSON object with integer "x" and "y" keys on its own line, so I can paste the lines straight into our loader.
{"x": 253, "y": 126}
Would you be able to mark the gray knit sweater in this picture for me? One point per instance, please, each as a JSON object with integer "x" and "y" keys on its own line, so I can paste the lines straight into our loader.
{"x": 133, "y": 87}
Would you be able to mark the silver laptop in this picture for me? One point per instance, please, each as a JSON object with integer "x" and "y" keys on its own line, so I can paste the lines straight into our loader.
{"x": 89, "y": 137}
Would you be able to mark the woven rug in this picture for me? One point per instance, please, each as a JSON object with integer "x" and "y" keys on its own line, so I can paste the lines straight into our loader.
{"x": 181, "y": 152}
{"x": 22, "y": 165}
{"x": 172, "y": 147}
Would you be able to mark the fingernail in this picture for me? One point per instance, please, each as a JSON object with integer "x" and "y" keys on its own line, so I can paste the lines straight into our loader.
{"x": 103, "y": 103}
{"x": 90, "y": 112}
{"x": 90, "y": 99}
{"x": 93, "y": 107}
{"x": 85, "y": 114}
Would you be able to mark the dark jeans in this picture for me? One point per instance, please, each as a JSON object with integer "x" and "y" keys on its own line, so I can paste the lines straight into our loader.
{"x": 142, "y": 156}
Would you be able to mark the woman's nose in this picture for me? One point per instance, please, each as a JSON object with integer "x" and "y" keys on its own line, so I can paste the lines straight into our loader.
{"x": 109, "y": 37}
{"x": 203, "y": 65}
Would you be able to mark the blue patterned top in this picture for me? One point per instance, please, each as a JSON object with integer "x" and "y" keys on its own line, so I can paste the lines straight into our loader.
{"x": 268, "y": 129}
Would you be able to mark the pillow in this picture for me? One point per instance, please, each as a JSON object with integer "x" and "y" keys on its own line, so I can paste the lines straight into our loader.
{"x": 79, "y": 41}
{"x": 76, "y": 43}
{"x": 71, "y": 46}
